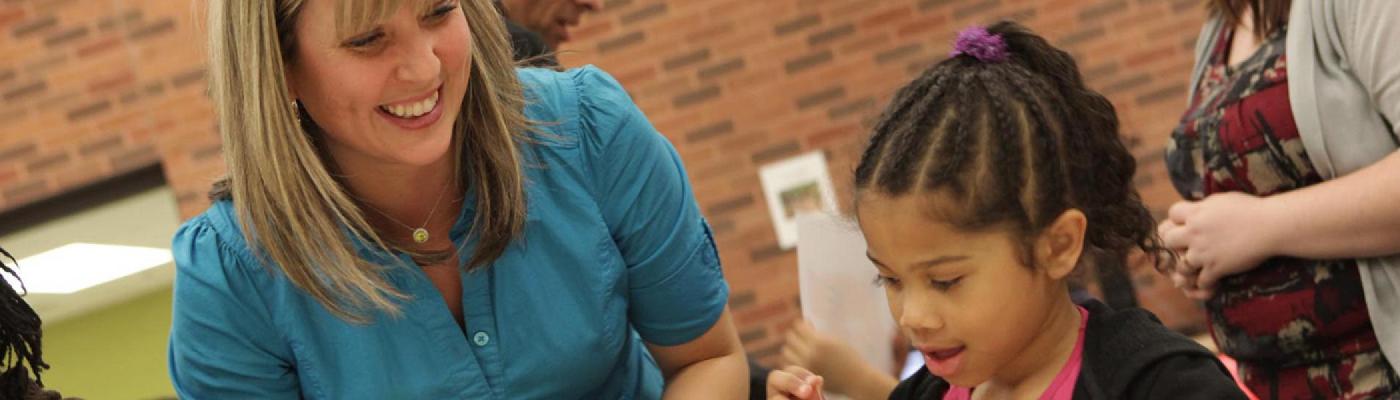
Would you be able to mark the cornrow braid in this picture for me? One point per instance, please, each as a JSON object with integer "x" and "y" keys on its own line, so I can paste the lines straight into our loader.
{"x": 950, "y": 155}
{"x": 911, "y": 137}
{"x": 1007, "y": 127}
{"x": 902, "y": 104}
{"x": 1013, "y": 143}
{"x": 20, "y": 353}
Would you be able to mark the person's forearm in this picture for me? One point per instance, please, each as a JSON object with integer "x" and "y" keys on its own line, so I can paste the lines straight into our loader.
{"x": 1354, "y": 216}
{"x": 725, "y": 377}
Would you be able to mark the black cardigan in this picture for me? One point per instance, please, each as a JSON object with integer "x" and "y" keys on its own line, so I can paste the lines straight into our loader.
{"x": 1127, "y": 355}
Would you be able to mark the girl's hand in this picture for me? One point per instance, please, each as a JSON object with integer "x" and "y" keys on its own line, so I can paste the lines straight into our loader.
{"x": 839, "y": 365}
{"x": 794, "y": 383}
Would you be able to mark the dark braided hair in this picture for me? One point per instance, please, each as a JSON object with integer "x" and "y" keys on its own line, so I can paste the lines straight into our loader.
{"x": 19, "y": 340}
{"x": 1015, "y": 144}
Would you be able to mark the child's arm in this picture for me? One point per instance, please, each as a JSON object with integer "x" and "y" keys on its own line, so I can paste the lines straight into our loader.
{"x": 1185, "y": 377}
{"x": 845, "y": 371}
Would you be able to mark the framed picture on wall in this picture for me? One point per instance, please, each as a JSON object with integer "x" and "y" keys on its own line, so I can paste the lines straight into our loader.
{"x": 795, "y": 186}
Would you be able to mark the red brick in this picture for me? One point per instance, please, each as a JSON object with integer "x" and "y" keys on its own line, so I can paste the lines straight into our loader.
{"x": 744, "y": 40}
{"x": 99, "y": 46}
{"x": 1183, "y": 28}
{"x": 592, "y": 30}
{"x": 886, "y": 18}
{"x": 9, "y": 15}
{"x": 8, "y": 175}
{"x": 923, "y": 25}
{"x": 103, "y": 84}
{"x": 708, "y": 33}
{"x": 717, "y": 168}
{"x": 762, "y": 312}
{"x": 1138, "y": 18}
{"x": 81, "y": 174}
{"x": 1148, "y": 55}
{"x": 727, "y": 9}
{"x": 822, "y": 138}
{"x": 849, "y": 8}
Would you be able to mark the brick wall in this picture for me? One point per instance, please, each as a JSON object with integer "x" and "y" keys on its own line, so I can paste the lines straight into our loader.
{"x": 736, "y": 84}
{"x": 90, "y": 89}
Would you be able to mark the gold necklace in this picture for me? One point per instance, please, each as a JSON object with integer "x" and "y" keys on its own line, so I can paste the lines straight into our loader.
{"x": 420, "y": 234}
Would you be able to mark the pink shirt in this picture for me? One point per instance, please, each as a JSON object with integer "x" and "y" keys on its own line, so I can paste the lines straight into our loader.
{"x": 1062, "y": 388}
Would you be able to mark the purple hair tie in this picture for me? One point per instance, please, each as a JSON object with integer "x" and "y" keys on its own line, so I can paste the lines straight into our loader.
{"x": 977, "y": 42}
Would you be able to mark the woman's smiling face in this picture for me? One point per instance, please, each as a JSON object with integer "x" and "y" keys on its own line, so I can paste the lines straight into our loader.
{"x": 386, "y": 94}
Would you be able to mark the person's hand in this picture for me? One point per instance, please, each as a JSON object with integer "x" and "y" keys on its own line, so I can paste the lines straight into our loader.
{"x": 1222, "y": 235}
{"x": 794, "y": 383}
{"x": 1184, "y": 276}
{"x": 840, "y": 364}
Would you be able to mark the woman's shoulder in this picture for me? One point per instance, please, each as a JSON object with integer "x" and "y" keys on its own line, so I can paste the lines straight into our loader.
{"x": 546, "y": 83}
{"x": 582, "y": 114}
{"x": 576, "y": 102}
{"x": 211, "y": 239}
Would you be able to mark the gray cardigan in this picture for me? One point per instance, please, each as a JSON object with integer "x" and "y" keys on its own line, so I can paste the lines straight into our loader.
{"x": 1344, "y": 75}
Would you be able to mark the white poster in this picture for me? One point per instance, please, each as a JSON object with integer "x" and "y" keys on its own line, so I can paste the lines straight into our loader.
{"x": 796, "y": 186}
{"x": 834, "y": 280}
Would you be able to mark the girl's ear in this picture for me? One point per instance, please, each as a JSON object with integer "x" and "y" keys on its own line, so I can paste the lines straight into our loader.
{"x": 1059, "y": 246}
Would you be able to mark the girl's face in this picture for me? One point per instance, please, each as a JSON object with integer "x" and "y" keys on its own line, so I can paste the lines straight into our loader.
{"x": 966, "y": 300}
{"x": 388, "y": 95}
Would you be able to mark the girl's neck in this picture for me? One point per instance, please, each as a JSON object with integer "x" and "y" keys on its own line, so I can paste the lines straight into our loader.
{"x": 1027, "y": 376}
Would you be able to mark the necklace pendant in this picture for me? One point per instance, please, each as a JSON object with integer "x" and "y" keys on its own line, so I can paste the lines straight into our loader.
{"x": 420, "y": 235}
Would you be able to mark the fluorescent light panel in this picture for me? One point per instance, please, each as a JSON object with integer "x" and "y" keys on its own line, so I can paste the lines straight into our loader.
{"x": 77, "y": 266}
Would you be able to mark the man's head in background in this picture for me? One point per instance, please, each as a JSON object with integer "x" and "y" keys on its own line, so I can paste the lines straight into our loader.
{"x": 552, "y": 19}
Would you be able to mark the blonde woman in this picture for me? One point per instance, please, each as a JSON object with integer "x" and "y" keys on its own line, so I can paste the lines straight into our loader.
{"x": 393, "y": 227}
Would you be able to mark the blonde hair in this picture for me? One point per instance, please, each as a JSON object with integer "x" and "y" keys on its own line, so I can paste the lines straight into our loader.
{"x": 293, "y": 211}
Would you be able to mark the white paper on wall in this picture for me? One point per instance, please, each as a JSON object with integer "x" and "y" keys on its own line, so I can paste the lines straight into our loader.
{"x": 834, "y": 280}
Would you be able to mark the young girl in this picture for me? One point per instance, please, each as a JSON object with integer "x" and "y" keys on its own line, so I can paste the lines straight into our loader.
{"x": 987, "y": 182}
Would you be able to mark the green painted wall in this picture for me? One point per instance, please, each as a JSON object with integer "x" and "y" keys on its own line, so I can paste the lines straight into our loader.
{"x": 116, "y": 353}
